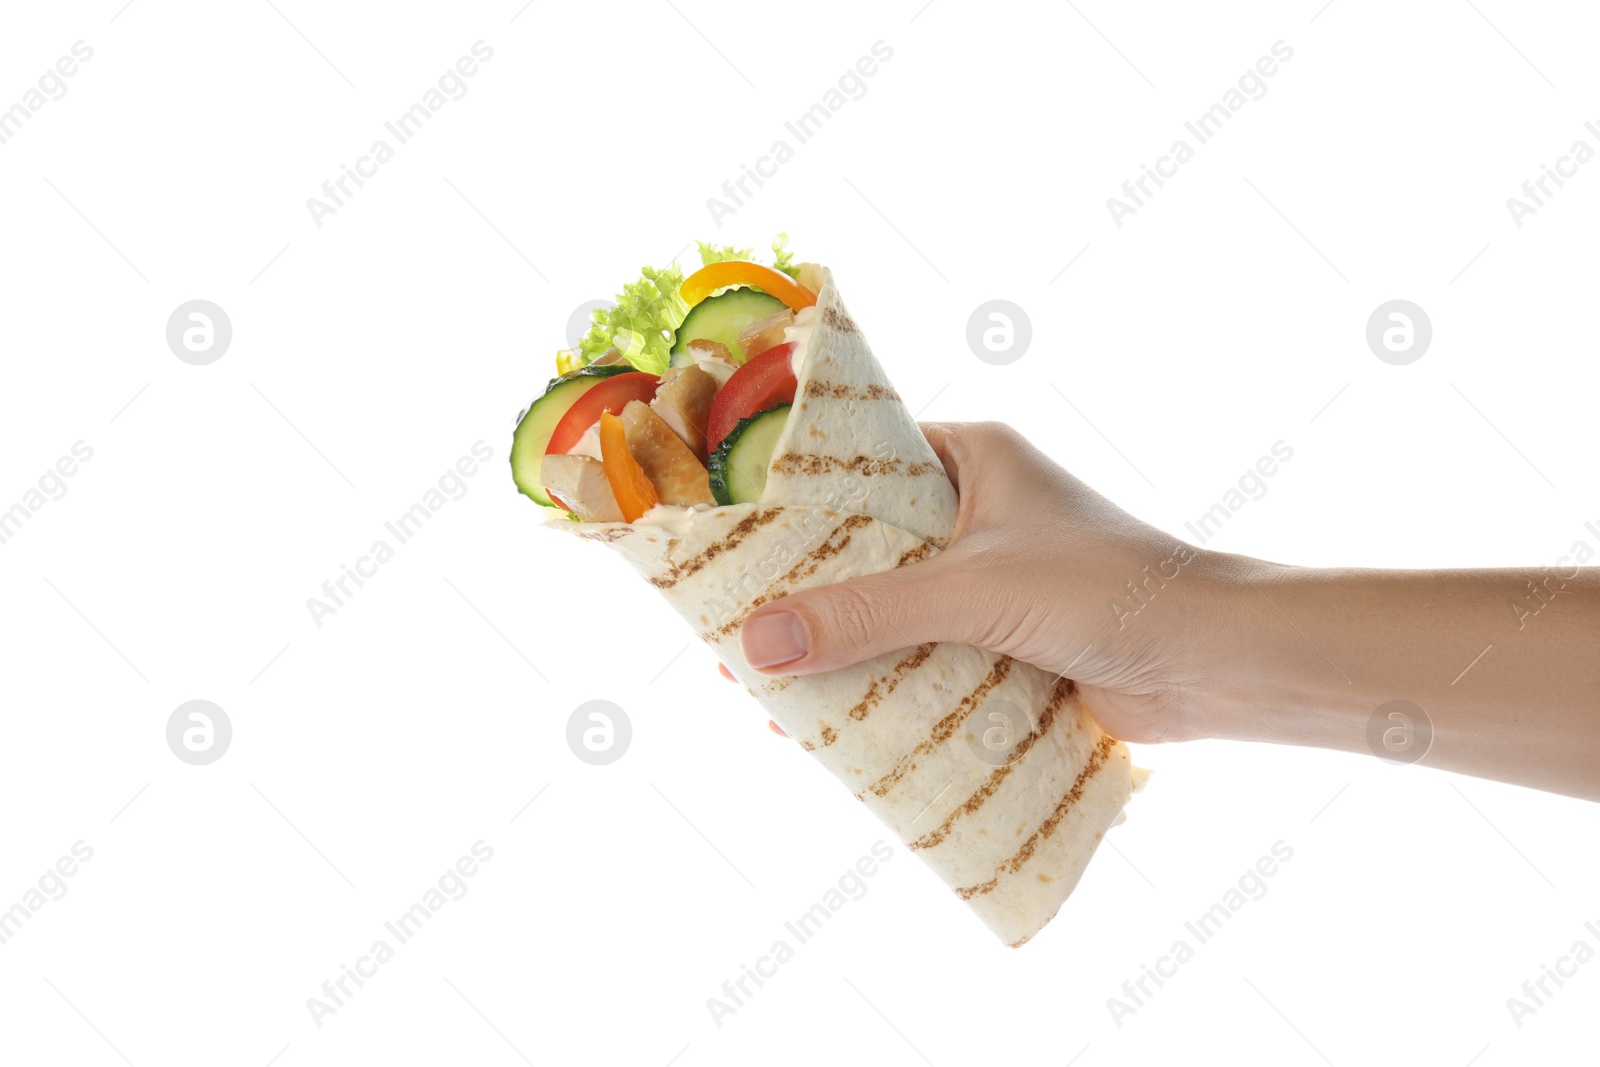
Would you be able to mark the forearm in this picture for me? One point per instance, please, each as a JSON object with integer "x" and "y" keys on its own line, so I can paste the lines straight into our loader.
{"x": 1506, "y": 675}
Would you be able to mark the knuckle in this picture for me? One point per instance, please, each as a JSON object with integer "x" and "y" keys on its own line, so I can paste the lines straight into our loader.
{"x": 979, "y": 443}
{"x": 996, "y": 434}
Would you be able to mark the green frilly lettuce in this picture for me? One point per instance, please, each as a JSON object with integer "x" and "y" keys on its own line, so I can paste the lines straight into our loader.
{"x": 782, "y": 258}
{"x": 642, "y": 325}
{"x": 649, "y": 311}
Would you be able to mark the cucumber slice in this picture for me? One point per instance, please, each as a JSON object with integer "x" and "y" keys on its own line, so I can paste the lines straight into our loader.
{"x": 532, "y": 438}
{"x": 738, "y": 467}
{"x": 721, "y": 318}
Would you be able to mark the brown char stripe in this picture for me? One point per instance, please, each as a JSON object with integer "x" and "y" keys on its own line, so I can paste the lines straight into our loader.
{"x": 1064, "y": 688}
{"x": 839, "y": 320}
{"x": 804, "y": 569}
{"x": 814, "y": 464}
{"x": 615, "y": 533}
{"x": 882, "y": 687}
{"x": 727, "y": 543}
{"x": 840, "y": 391}
{"x": 944, "y": 728}
{"x": 1011, "y": 866}
{"x": 912, "y": 555}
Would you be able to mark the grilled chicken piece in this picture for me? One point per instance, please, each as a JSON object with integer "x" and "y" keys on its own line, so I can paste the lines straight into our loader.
{"x": 671, "y": 467}
{"x": 714, "y": 358}
{"x": 580, "y": 483}
{"x": 766, "y": 333}
{"x": 683, "y": 401}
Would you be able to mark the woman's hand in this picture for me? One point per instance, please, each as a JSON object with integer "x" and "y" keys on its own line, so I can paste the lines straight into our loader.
{"x": 1041, "y": 568}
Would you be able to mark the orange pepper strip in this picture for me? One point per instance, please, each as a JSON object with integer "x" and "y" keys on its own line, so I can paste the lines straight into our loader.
{"x": 635, "y": 495}
{"x": 707, "y": 280}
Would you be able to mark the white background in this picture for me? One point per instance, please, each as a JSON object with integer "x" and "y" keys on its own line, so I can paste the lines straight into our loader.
{"x": 372, "y": 352}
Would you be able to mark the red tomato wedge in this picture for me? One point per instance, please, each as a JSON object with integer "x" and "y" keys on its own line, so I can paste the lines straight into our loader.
{"x": 764, "y": 381}
{"x": 610, "y": 395}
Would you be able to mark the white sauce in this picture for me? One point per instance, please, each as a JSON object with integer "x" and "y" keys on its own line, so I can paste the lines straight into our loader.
{"x": 672, "y": 518}
{"x": 805, "y": 321}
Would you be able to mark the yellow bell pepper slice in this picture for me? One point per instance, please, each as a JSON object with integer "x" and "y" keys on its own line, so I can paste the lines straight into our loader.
{"x": 635, "y": 495}
{"x": 707, "y": 280}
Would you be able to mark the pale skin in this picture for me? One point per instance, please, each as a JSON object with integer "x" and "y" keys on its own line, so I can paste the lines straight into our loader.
{"x": 1213, "y": 645}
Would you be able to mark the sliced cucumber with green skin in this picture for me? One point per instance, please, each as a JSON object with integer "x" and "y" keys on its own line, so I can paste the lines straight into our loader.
{"x": 738, "y": 467}
{"x": 532, "y": 439}
{"x": 721, "y": 319}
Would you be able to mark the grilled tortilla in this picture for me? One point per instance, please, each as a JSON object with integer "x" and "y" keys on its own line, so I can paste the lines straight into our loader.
{"x": 854, "y": 489}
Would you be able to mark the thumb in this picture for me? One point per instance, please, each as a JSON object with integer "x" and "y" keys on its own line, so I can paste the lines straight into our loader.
{"x": 838, "y": 625}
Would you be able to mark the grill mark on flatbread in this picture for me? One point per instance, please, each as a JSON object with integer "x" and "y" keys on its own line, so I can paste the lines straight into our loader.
{"x": 615, "y": 533}
{"x": 840, "y": 391}
{"x": 944, "y": 727}
{"x": 744, "y": 528}
{"x": 815, "y": 464}
{"x": 804, "y": 569}
{"x": 1021, "y": 942}
{"x": 1063, "y": 689}
{"x": 1045, "y": 831}
{"x": 829, "y": 736}
{"x": 1058, "y": 695}
{"x": 882, "y": 687}
{"x": 912, "y": 555}
{"x": 840, "y": 321}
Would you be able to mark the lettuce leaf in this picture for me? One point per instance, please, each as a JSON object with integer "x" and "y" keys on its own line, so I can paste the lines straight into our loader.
{"x": 710, "y": 254}
{"x": 641, "y": 326}
{"x": 649, "y": 311}
{"x": 782, "y": 258}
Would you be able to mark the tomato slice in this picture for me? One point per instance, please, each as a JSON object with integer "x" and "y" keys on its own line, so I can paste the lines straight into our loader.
{"x": 764, "y": 381}
{"x": 703, "y": 282}
{"x": 610, "y": 395}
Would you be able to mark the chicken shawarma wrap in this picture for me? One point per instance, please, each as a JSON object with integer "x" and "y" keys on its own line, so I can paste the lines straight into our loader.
{"x": 732, "y": 436}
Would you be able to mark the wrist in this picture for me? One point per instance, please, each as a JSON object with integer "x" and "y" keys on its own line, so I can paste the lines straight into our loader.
{"x": 1256, "y": 673}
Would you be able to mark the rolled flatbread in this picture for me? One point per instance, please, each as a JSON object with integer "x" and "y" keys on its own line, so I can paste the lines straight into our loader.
{"x": 988, "y": 769}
